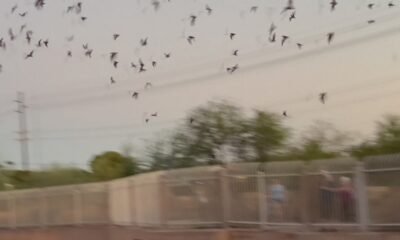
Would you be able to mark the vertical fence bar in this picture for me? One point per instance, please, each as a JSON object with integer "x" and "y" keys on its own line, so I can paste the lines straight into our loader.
{"x": 12, "y": 210}
{"x": 262, "y": 199}
{"x": 361, "y": 196}
{"x": 110, "y": 201}
{"x": 109, "y": 220}
{"x": 44, "y": 208}
{"x": 137, "y": 206}
{"x": 127, "y": 190}
{"x": 77, "y": 206}
{"x": 132, "y": 199}
{"x": 305, "y": 198}
{"x": 161, "y": 204}
{"x": 226, "y": 206}
{"x": 129, "y": 206}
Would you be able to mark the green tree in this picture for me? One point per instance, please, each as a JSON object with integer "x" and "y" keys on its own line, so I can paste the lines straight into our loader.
{"x": 111, "y": 165}
{"x": 6, "y": 170}
{"x": 214, "y": 126}
{"x": 385, "y": 141}
{"x": 216, "y": 131}
{"x": 364, "y": 149}
{"x": 160, "y": 155}
{"x": 266, "y": 135}
{"x": 321, "y": 141}
{"x": 127, "y": 150}
{"x": 388, "y": 135}
{"x": 54, "y": 176}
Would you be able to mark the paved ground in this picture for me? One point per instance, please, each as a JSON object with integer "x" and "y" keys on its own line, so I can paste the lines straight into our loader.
{"x": 125, "y": 233}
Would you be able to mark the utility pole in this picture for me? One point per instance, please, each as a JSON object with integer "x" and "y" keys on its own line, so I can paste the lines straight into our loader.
{"x": 23, "y": 130}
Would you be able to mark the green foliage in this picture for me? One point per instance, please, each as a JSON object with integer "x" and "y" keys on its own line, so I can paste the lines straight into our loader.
{"x": 321, "y": 141}
{"x": 52, "y": 177}
{"x": 310, "y": 150}
{"x": 215, "y": 131}
{"x": 388, "y": 135}
{"x": 62, "y": 176}
{"x": 266, "y": 134}
{"x": 106, "y": 166}
{"x": 215, "y": 126}
{"x": 111, "y": 165}
{"x": 159, "y": 153}
{"x": 364, "y": 149}
{"x": 385, "y": 141}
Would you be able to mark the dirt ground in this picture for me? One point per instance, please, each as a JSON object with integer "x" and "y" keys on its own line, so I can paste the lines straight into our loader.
{"x": 125, "y": 233}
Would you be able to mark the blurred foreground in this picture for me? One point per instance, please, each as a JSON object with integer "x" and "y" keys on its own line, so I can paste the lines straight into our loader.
{"x": 335, "y": 194}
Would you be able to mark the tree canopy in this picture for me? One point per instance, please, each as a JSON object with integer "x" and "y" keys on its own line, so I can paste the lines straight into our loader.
{"x": 385, "y": 141}
{"x": 216, "y": 132}
{"x": 320, "y": 141}
{"x": 111, "y": 165}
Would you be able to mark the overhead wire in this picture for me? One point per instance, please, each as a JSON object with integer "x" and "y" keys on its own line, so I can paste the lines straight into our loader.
{"x": 337, "y": 92}
{"x": 126, "y": 134}
{"x": 357, "y": 87}
{"x": 6, "y": 113}
{"x": 264, "y": 64}
{"x": 341, "y": 90}
{"x": 332, "y": 45}
{"x": 109, "y": 128}
{"x": 312, "y": 38}
{"x": 294, "y": 114}
{"x": 345, "y": 104}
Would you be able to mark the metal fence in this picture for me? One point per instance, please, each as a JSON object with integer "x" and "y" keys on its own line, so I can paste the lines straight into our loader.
{"x": 326, "y": 193}
{"x": 383, "y": 190}
{"x": 55, "y": 206}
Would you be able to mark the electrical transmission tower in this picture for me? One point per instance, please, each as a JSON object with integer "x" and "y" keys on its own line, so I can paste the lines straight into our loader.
{"x": 23, "y": 130}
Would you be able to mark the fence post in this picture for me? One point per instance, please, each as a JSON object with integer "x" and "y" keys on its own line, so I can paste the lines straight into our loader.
{"x": 362, "y": 198}
{"x": 13, "y": 210}
{"x": 127, "y": 191}
{"x": 225, "y": 197}
{"x": 109, "y": 191}
{"x": 162, "y": 204}
{"x": 305, "y": 197}
{"x": 262, "y": 199}
{"x": 44, "y": 208}
{"x": 77, "y": 206}
{"x": 137, "y": 203}
{"x": 132, "y": 201}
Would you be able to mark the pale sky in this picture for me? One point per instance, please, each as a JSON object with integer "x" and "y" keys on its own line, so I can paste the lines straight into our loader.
{"x": 74, "y": 113}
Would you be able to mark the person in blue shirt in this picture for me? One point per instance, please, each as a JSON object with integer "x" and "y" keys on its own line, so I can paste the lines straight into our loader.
{"x": 278, "y": 198}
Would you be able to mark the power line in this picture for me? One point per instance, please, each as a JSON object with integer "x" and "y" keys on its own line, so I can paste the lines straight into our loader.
{"x": 6, "y": 113}
{"x": 111, "y": 128}
{"x": 55, "y": 166}
{"x": 126, "y": 134}
{"x": 343, "y": 90}
{"x": 361, "y": 24}
{"x": 6, "y": 99}
{"x": 214, "y": 75}
{"x": 8, "y": 135}
{"x": 338, "y": 92}
{"x": 345, "y": 104}
{"x": 295, "y": 114}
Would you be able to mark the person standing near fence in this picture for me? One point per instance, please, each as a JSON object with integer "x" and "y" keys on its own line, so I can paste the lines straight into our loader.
{"x": 278, "y": 197}
{"x": 346, "y": 196}
{"x": 327, "y": 196}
